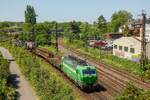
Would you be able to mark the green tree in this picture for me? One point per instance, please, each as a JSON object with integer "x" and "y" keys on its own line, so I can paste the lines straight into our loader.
{"x": 30, "y": 20}
{"x": 102, "y": 24}
{"x": 44, "y": 28}
{"x": 42, "y": 39}
{"x": 126, "y": 30}
{"x": 27, "y": 27}
{"x": 30, "y": 15}
{"x": 94, "y": 30}
{"x": 119, "y": 18}
{"x": 85, "y": 31}
{"x": 25, "y": 36}
{"x": 75, "y": 29}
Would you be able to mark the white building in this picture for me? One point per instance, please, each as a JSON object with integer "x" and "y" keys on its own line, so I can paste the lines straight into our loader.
{"x": 129, "y": 47}
{"x": 147, "y": 32}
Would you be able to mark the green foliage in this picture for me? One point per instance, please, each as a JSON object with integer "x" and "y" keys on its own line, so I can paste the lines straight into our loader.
{"x": 50, "y": 48}
{"x": 30, "y": 15}
{"x": 25, "y": 36}
{"x": 43, "y": 32}
{"x": 74, "y": 30}
{"x": 85, "y": 31}
{"x": 43, "y": 39}
{"x": 147, "y": 72}
{"x": 4, "y": 68}
{"x": 94, "y": 31}
{"x": 133, "y": 93}
{"x": 44, "y": 28}
{"x": 102, "y": 25}
{"x": 7, "y": 24}
{"x": 119, "y": 18}
{"x": 27, "y": 27}
{"x": 4, "y": 24}
{"x": 46, "y": 82}
{"x": 126, "y": 31}
{"x": 6, "y": 91}
{"x": 74, "y": 27}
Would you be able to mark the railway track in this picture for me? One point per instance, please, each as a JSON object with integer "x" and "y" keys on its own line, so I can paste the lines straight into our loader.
{"x": 127, "y": 76}
{"x": 116, "y": 78}
{"x": 121, "y": 76}
{"x": 85, "y": 96}
{"x": 111, "y": 83}
{"x": 101, "y": 94}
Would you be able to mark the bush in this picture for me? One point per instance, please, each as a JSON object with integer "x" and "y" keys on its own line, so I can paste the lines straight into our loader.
{"x": 50, "y": 48}
{"x": 43, "y": 39}
{"x": 6, "y": 91}
{"x": 25, "y": 36}
{"x": 133, "y": 93}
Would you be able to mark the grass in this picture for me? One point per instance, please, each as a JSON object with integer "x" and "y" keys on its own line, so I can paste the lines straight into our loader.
{"x": 50, "y": 48}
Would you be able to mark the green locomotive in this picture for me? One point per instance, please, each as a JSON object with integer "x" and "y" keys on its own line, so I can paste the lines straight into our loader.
{"x": 82, "y": 73}
{"x": 78, "y": 70}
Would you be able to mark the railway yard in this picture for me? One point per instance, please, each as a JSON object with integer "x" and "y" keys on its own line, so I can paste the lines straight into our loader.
{"x": 111, "y": 81}
{"x": 61, "y": 51}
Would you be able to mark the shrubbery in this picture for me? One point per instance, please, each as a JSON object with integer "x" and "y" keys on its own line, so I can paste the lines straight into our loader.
{"x": 6, "y": 91}
{"x": 47, "y": 84}
{"x": 43, "y": 39}
{"x": 133, "y": 93}
{"x": 50, "y": 48}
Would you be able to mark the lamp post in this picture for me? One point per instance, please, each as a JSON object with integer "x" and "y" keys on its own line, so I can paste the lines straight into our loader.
{"x": 56, "y": 37}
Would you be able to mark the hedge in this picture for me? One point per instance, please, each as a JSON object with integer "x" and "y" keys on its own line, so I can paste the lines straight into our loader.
{"x": 7, "y": 92}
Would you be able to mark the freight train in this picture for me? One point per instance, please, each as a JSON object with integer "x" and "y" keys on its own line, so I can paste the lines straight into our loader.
{"x": 79, "y": 71}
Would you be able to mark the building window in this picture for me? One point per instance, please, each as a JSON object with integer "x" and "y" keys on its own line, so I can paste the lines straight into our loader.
{"x": 120, "y": 48}
{"x": 132, "y": 50}
{"x": 126, "y": 49}
{"x": 115, "y": 46}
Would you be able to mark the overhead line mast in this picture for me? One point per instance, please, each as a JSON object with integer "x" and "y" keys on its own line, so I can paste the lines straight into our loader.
{"x": 143, "y": 42}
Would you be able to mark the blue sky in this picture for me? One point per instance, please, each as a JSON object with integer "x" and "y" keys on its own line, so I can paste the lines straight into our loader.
{"x": 68, "y": 10}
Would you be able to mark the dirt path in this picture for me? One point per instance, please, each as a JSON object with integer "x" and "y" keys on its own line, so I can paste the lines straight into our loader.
{"x": 23, "y": 88}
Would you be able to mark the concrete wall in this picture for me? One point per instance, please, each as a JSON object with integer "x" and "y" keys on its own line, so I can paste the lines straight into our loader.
{"x": 147, "y": 32}
{"x": 148, "y": 50}
{"x": 129, "y": 42}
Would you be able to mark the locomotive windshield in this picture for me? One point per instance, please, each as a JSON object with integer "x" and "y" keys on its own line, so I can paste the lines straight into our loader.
{"x": 89, "y": 72}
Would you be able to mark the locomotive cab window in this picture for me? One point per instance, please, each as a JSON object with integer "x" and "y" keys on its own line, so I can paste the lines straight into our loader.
{"x": 89, "y": 72}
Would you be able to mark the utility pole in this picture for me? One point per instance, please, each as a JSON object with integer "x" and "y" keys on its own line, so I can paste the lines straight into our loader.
{"x": 143, "y": 42}
{"x": 56, "y": 37}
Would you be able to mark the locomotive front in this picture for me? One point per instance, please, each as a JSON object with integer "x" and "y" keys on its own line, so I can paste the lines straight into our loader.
{"x": 88, "y": 76}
